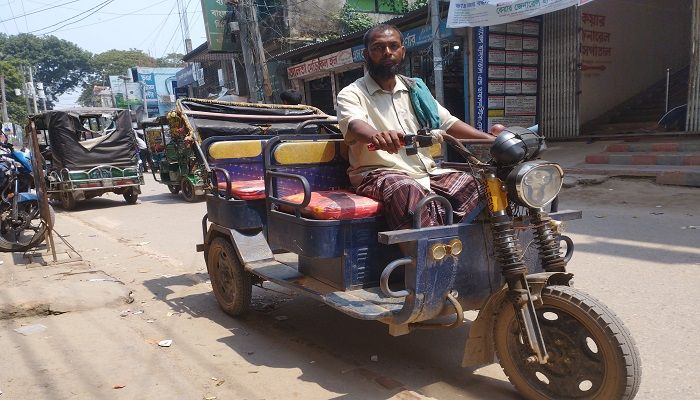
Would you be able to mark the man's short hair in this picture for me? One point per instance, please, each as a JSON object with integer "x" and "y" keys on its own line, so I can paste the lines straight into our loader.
{"x": 291, "y": 96}
{"x": 379, "y": 28}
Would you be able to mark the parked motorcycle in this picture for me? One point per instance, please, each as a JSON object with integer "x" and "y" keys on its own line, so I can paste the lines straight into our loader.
{"x": 21, "y": 226}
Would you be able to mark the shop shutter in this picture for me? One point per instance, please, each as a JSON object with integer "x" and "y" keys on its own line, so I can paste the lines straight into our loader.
{"x": 693, "y": 118}
{"x": 559, "y": 109}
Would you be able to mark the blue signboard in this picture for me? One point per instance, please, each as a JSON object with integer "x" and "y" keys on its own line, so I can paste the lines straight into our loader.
{"x": 481, "y": 38}
{"x": 149, "y": 85}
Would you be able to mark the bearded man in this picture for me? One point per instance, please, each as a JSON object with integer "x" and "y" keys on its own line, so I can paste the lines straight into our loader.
{"x": 376, "y": 109}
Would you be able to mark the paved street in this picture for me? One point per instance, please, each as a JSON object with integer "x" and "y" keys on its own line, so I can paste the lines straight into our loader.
{"x": 636, "y": 251}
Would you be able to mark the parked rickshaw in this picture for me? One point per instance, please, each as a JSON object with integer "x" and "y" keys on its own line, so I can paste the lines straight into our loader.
{"x": 291, "y": 193}
{"x": 196, "y": 120}
{"x": 89, "y": 152}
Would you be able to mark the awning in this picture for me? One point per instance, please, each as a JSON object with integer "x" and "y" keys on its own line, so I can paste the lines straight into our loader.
{"x": 465, "y": 13}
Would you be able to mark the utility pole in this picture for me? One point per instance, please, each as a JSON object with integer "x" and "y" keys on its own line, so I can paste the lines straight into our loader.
{"x": 185, "y": 27}
{"x": 250, "y": 70}
{"x": 253, "y": 52}
{"x": 4, "y": 99}
{"x": 24, "y": 88}
{"x": 33, "y": 90}
{"x": 261, "y": 61}
{"x": 437, "y": 51}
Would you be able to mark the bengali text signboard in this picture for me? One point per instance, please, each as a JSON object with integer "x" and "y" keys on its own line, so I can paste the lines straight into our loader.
{"x": 494, "y": 12}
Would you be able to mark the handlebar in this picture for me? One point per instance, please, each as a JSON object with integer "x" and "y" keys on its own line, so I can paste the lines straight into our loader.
{"x": 412, "y": 142}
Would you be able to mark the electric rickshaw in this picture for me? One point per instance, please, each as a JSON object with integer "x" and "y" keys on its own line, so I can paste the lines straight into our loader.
{"x": 180, "y": 165}
{"x": 88, "y": 152}
{"x": 291, "y": 194}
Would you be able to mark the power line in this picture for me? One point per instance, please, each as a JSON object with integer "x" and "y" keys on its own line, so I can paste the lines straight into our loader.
{"x": 81, "y": 19}
{"x": 35, "y": 11}
{"x": 25, "y": 15}
{"x": 117, "y": 17}
{"x": 13, "y": 16}
{"x": 77, "y": 15}
{"x": 160, "y": 29}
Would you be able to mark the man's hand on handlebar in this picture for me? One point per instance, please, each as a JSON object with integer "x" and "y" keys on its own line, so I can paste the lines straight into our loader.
{"x": 390, "y": 141}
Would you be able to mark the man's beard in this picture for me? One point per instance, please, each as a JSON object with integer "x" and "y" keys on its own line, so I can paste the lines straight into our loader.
{"x": 382, "y": 71}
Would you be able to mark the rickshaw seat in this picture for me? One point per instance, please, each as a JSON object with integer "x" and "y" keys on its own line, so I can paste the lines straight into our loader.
{"x": 245, "y": 190}
{"x": 336, "y": 205}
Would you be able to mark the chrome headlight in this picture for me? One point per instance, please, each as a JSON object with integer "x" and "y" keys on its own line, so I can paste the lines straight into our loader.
{"x": 535, "y": 183}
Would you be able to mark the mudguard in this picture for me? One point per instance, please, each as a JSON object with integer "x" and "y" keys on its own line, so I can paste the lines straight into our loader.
{"x": 479, "y": 348}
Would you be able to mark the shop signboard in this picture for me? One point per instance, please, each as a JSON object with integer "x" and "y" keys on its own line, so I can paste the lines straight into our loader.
{"x": 463, "y": 13}
{"x": 325, "y": 63}
{"x": 218, "y": 18}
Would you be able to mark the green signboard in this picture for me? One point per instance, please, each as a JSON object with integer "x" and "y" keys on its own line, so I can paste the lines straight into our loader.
{"x": 218, "y": 18}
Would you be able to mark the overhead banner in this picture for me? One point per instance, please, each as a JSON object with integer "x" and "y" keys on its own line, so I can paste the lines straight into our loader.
{"x": 465, "y": 13}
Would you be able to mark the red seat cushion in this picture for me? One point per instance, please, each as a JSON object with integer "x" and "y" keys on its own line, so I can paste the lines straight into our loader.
{"x": 246, "y": 190}
{"x": 336, "y": 204}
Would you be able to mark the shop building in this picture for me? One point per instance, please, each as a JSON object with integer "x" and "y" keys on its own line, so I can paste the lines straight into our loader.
{"x": 563, "y": 70}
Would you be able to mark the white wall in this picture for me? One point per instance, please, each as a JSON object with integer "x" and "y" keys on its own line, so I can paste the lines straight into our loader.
{"x": 646, "y": 37}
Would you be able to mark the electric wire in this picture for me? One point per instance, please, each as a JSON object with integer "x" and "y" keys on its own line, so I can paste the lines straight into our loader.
{"x": 25, "y": 14}
{"x": 9, "y": 4}
{"x": 160, "y": 29}
{"x": 74, "y": 16}
{"x": 81, "y": 19}
{"x": 38, "y": 11}
{"x": 112, "y": 19}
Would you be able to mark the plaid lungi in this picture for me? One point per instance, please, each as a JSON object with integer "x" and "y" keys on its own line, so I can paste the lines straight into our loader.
{"x": 400, "y": 194}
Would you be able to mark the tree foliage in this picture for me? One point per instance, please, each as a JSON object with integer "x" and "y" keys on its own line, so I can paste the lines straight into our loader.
{"x": 59, "y": 64}
{"x": 10, "y": 68}
{"x": 117, "y": 62}
{"x": 350, "y": 20}
{"x": 171, "y": 60}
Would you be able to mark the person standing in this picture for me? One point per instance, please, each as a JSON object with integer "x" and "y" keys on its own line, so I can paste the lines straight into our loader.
{"x": 377, "y": 109}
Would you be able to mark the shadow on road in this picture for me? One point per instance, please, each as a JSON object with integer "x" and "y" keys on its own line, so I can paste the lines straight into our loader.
{"x": 333, "y": 350}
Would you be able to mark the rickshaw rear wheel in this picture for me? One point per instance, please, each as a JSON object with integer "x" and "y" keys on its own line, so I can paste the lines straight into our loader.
{"x": 67, "y": 201}
{"x": 230, "y": 282}
{"x": 188, "y": 191}
{"x": 591, "y": 353}
{"x": 174, "y": 189}
{"x": 130, "y": 196}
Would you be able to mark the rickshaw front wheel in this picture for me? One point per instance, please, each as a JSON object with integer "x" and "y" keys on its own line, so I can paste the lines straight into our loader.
{"x": 591, "y": 353}
{"x": 230, "y": 282}
{"x": 174, "y": 189}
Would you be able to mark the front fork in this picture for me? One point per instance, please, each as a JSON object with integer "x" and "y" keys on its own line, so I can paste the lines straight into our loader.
{"x": 509, "y": 255}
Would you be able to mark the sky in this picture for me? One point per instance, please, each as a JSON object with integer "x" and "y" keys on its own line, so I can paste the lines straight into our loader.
{"x": 100, "y": 25}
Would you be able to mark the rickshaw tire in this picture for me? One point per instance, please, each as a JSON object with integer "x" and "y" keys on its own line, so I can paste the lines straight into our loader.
{"x": 620, "y": 356}
{"x": 188, "y": 191}
{"x": 131, "y": 196}
{"x": 68, "y": 202}
{"x": 174, "y": 189}
{"x": 235, "y": 301}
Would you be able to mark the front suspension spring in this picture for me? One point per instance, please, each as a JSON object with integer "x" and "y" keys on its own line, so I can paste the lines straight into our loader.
{"x": 548, "y": 243}
{"x": 507, "y": 247}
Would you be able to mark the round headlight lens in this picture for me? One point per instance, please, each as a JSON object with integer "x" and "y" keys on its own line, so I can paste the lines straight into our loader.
{"x": 537, "y": 183}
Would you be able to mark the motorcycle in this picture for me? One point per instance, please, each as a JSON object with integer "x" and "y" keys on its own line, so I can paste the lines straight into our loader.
{"x": 21, "y": 226}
